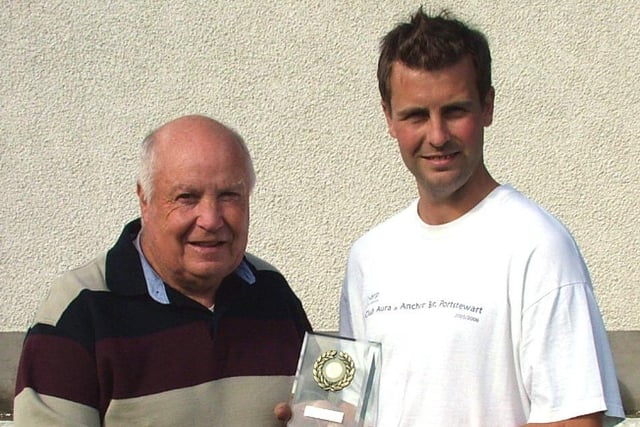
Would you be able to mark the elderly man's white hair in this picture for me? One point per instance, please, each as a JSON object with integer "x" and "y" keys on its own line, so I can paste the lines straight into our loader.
{"x": 147, "y": 159}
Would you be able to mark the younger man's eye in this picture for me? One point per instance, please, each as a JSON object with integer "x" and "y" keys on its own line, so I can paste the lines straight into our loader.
{"x": 417, "y": 116}
{"x": 456, "y": 111}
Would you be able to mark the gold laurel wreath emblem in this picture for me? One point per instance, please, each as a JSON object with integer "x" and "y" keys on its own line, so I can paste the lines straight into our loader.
{"x": 344, "y": 380}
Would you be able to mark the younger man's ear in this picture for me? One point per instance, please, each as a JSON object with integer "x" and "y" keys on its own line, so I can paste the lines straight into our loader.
{"x": 386, "y": 108}
{"x": 487, "y": 107}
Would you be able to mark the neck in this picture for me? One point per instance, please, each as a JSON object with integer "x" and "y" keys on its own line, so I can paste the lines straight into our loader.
{"x": 434, "y": 209}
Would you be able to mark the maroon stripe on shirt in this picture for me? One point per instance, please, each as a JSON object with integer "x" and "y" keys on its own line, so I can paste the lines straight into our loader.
{"x": 60, "y": 367}
{"x": 190, "y": 355}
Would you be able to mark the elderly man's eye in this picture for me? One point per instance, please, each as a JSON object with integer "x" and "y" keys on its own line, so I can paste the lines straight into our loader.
{"x": 229, "y": 195}
{"x": 185, "y": 196}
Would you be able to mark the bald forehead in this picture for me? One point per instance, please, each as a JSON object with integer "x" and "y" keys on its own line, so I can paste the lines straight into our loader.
{"x": 194, "y": 128}
{"x": 193, "y": 136}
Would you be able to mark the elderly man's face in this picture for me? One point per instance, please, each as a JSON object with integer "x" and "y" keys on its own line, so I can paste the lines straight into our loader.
{"x": 196, "y": 224}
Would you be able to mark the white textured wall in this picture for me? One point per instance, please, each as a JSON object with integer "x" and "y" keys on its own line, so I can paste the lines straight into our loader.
{"x": 83, "y": 82}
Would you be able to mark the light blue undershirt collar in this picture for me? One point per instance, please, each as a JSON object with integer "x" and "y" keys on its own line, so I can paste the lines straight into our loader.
{"x": 155, "y": 286}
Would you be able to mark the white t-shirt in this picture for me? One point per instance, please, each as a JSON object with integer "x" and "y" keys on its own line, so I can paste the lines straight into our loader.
{"x": 489, "y": 320}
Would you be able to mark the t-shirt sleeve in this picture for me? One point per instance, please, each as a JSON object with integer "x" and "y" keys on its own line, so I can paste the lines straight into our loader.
{"x": 566, "y": 362}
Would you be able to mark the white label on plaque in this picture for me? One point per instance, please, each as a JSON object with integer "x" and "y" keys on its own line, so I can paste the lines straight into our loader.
{"x": 324, "y": 414}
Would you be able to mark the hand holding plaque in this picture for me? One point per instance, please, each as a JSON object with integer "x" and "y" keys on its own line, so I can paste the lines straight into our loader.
{"x": 336, "y": 382}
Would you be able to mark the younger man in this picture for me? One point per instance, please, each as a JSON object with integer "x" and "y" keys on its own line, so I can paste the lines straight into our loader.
{"x": 481, "y": 299}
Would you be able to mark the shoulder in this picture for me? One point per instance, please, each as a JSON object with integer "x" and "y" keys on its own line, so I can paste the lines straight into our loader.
{"x": 388, "y": 231}
{"x": 268, "y": 279}
{"x": 260, "y": 264}
{"x": 539, "y": 246}
{"x": 67, "y": 287}
{"x": 272, "y": 291}
{"x": 520, "y": 217}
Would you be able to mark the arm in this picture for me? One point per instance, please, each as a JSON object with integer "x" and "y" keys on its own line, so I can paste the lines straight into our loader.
{"x": 590, "y": 420}
{"x": 55, "y": 383}
{"x": 561, "y": 317}
{"x": 351, "y": 316}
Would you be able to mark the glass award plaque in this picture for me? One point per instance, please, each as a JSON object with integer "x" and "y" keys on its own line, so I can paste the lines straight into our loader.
{"x": 336, "y": 382}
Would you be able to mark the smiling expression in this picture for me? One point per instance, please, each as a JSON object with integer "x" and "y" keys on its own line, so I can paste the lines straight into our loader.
{"x": 438, "y": 120}
{"x": 195, "y": 225}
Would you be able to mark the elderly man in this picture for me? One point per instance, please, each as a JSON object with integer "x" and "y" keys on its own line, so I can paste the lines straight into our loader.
{"x": 176, "y": 325}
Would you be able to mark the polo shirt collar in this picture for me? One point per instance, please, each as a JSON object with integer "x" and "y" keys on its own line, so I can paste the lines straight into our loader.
{"x": 156, "y": 287}
{"x": 127, "y": 275}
